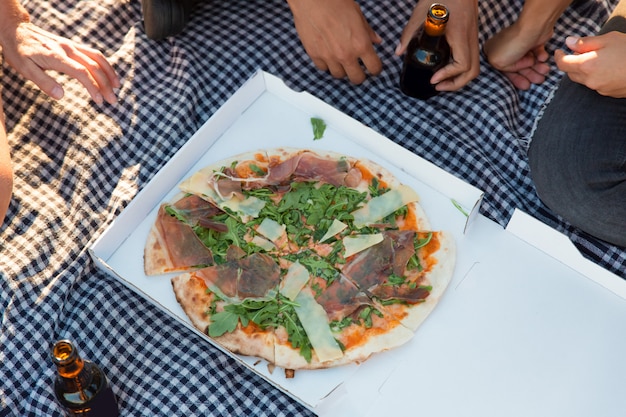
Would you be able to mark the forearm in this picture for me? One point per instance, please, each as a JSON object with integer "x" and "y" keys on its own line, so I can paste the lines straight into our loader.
{"x": 6, "y": 169}
{"x": 542, "y": 13}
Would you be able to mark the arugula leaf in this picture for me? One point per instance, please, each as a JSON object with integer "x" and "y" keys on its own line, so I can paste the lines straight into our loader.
{"x": 319, "y": 126}
{"x": 339, "y": 325}
{"x": 315, "y": 264}
{"x": 366, "y": 315}
{"x": 459, "y": 207}
{"x": 394, "y": 279}
{"x": 296, "y": 334}
{"x": 172, "y": 211}
{"x": 223, "y": 322}
{"x": 414, "y": 261}
{"x": 257, "y": 170}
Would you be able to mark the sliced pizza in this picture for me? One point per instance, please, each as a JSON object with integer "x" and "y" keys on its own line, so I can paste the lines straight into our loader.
{"x": 306, "y": 259}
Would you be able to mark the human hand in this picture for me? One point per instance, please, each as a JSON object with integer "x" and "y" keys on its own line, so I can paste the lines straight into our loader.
{"x": 598, "y": 62}
{"x": 337, "y": 37}
{"x": 520, "y": 55}
{"x": 461, "y": 34}
{"x": 32, "y": 51}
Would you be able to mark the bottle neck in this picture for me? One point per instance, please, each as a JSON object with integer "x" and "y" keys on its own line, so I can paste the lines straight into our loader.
{"x": 436, "y": 20}
{"x": 66, "y": 358}
{"x": 434, "y": 29}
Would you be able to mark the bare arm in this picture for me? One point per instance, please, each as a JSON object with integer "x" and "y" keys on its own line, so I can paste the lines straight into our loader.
{"x": 6, "y": 169}
{"x": 32, "y": 51}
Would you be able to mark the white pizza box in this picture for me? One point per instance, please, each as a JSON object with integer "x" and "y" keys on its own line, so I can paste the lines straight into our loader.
{"x": 532, "y": 329}
{"x": 494, "y": 345}
{"x": 264, "y": 113}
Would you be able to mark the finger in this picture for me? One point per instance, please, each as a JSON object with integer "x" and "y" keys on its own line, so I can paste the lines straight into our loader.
{"x": 102, "y": 62}
{"x": 320, "y": 64}
{"x": 450, "y": 78}
{"x": 582, "y": 45}
{"x": 46, "y": 83}
{"x": 79, "y": 72}
{"x": 533, "y": 76}
{"x": 372, "y": 62}
{"x": 409, "y": 30}
{"x": 520, "y": 82}
{"x": 336, "y": 70}
{"x": 542, "y": 68}
{"x": 541, "y": 54}
{"x": 569, "y": 63}
{"x": 355, "y": 73}
{"x": 375, "y": 37}
{"x": 98, "y": 74}
{"x": 526, "y": 61}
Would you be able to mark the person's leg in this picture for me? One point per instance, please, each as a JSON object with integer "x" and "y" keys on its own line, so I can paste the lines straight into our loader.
{"x": 577, "y": 155}
{"x": 163, "y": 18}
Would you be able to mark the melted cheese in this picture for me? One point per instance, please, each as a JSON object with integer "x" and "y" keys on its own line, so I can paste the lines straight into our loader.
{"x": 295, "y": 279}
{"x": 315, "y": 323}
{"x": 271, "y": 229}
{"x": 263, "y": 243}
{"x": 357, "y": 243}
{"x": 335, "y": 227}
{"x": 379, "y": 207}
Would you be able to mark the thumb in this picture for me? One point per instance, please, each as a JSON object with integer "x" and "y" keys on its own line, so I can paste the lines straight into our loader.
{"x": 403, "y": 43}
{"x": 581, "y": 45}
{"x": 407, "y": 34}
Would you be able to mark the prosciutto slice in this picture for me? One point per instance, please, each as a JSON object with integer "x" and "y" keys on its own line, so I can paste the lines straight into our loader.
{"x": 183, "y": 246}
{"x": 243, "y": 277}
{"x": 307, "y": 166}
{"x": 370, "y": 268}
{"x": 403, "y": 293}
{"x": 342, "y": 298}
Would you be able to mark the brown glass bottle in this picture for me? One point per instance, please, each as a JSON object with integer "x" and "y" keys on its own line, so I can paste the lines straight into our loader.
{"x": 427, "y": 52}
{"x": 80, "y": 385}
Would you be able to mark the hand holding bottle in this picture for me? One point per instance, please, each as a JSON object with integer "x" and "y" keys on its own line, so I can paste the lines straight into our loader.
{"x": 461, "y": 34}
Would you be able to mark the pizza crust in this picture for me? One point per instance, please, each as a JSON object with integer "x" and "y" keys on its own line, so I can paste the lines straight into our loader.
{"x": 156, "y": 259}
{"x": 192, "y": 295}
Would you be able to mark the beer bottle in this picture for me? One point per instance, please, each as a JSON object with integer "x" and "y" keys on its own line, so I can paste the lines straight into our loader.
{"x": 428, "y": 51}
{"x": 80, "y": 385}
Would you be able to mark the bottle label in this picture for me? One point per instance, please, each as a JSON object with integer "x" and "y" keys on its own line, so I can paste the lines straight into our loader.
{"x": 427, "y": 58}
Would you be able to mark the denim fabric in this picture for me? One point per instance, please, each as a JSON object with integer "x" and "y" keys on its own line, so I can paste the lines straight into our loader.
{"x": 578, "y": 156}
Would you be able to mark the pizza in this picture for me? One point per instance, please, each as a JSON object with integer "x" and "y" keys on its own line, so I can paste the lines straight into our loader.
{"x": 307, "y": 259}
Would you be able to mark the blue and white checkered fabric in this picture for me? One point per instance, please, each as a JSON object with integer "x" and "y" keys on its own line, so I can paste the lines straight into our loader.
{"x": 77, "y": 165}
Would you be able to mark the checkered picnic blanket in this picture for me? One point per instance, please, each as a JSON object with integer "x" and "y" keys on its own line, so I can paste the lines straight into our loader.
{"x": 77, "y": 165}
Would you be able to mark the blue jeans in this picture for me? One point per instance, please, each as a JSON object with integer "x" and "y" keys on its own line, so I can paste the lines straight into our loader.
{"x": 577, "y": 155}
